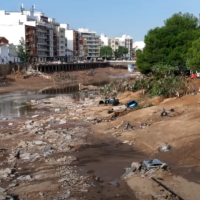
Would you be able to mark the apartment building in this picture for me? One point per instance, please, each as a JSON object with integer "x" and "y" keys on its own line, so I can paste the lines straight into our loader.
{"x": 42, "y": 34}
{"x": 126, "y": 41}
{"x": 91, "y": 43}
{"x": 114, "y": 43}
{"x": 72, "y": 49}
{"x": 8, "y": 52}
{"x": 104, "y": 40}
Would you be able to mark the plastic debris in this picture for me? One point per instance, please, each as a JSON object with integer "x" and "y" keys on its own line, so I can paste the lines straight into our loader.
{"x": 132, "y": 104}
{"x": 164, "y": 148}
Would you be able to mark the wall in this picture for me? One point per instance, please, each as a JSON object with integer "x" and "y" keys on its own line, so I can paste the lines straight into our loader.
{"x": 12, "y": 32}
{"x": 69, "y": 36}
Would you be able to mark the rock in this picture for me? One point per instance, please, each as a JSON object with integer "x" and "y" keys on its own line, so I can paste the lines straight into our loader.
{"x": 29, "y": 127}
{"x": 12, "y": 185}
{"x": 57, "y": 110}
{"x": 34, "y": 116}
{"x": 68, "y": 137}
{"x": 29, "y": 122}
{"x": 23, "y": 144}
{"x": 62, "y": 122}
{"x": 4, "y": 119}
{"x": 10, "y": 124}
{"x": 33, "y": 101}
{"x": 137, "y": 165}
{"x": 25, "y": 178}
{"x": 2, "y": 197}
{"x": 25, "y": 156}
{"x": 47, "y": 149}
{"x": 38, "y": 142}
{"x": 2, "y": 190}
{"x": 4, "y": 173}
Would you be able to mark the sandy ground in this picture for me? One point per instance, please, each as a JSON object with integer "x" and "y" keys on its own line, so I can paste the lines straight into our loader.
{"x": 113, "y": 147}
{"x": 180, "y": 130}
{"x": 16, "y": 82}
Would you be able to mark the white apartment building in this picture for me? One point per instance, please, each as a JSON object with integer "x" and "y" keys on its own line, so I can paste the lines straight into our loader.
{"x": 126, "y": 41}
{"x": 42, "y": 34}
{"x": 72, "y": 49}
{"x": 91, "y": 43}
{"x": 138, "y": 45}
{"x": 104, "y": 40}
{"x": 114, "y": 43}
{"x": 8, "y": 53}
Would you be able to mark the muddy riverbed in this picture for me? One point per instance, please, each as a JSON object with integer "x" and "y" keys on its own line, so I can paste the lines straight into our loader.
{"x": 62, "y": 145}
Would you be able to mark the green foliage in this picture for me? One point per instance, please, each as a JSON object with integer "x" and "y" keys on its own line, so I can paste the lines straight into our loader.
{"x": 169, "y": 44}
{"x": 194, "y": 55}
{"x": 106, "y": 51}
{"x": 163, "y": 83}
{"x": 116, "y": 54}
{"x": 23, "y": 51}
{"x": 120, "y": 52}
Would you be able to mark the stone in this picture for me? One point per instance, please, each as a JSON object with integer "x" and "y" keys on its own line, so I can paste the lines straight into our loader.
{"x": 25, "y": 178}
{"x": 25, "y": 156}
{"x": 23, "y": 144}
{"x": 4, "y": 173}
{"x": 10, "y": 124}
{"x": 2, "y": 190}
{"x": 4, "y": 119}
{"x": 68, "y": 137}
{"x": 29, "y": 127}
{"x": 2, "y": 197}
{"x": 57, "y": 110}
{"x": 12, "y": 185}
{"x": 38, "y": 142}
{"x": 29, "y": 122}
{"x": 34, "y": 116}
{"x": 62, "y": 122}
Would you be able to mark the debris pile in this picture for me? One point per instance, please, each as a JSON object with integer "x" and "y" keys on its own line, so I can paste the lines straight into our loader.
{"x": 146, "y": 168}
{"x": 31, "y": 72}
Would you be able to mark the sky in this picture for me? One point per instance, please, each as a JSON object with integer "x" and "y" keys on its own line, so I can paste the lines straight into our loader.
{"x": 110, "y": 17}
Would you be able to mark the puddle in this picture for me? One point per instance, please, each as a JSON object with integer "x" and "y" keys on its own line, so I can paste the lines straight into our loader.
{"x": 14, "y": 105}
{"x": 106, "y": 159}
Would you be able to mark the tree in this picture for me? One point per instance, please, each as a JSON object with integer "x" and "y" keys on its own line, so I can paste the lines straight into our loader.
{"x": 169, "y": 44}
{"x": 122, "y": 50}
{"x": 116, "y": 54}
{"x": 106, "y": 51}
{"x": 23, "y": 51}
{"x": 193, "y": 60}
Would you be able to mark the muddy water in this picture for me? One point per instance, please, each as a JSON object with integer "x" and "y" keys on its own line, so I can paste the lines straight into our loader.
{"x": 13, "y": 105}
{"x": 106, "y": 159}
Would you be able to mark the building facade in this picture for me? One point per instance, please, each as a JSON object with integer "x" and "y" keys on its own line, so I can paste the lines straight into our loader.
{"x": 114, "y": 43}
{"x": 8, "y": 52}
{"x": 104, "y": 40}
{"x": 126, "y": 41}
{"x": 72, "y": 45}
{"x": 91, "y": 43}
{"x": 43, "y": 35}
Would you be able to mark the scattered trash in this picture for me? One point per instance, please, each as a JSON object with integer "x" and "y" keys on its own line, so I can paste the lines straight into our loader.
{"x": 144, "y": 168}
{"x": 119, "y": 108}
{"x": 164, "y": 113}
{"x": 34, "y": 116}
{"x": 115, "y": 182}
{"x": 164, "y": 148}
{"x": 172, "y": 110}
{"x": 155, "y": 163}
{"x": 128, "y": 127}
{"x": 110, "y": 111}
{"x": 132, "y": 104}
{"x": 111, "y": 101}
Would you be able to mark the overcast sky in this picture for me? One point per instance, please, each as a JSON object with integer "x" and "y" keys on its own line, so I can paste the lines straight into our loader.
{"x": 111, "y": 17}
